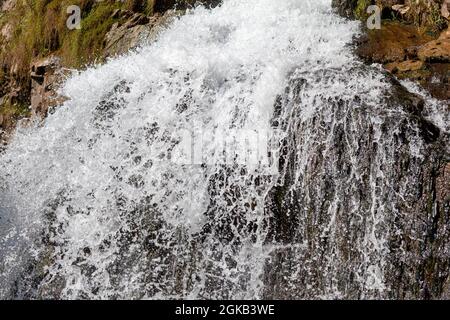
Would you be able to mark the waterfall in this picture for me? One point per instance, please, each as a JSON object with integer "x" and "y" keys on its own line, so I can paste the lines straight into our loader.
{"x": 126, "y": 191}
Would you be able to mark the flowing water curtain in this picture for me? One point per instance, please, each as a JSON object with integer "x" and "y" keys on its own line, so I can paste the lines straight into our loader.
{"x": 104, "y": 204}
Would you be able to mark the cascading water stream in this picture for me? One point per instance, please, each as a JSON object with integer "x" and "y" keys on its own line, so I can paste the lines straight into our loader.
{"x": 100, "y": 202}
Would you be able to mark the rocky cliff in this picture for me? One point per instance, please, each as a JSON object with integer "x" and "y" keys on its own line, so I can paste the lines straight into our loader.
{"x": 413, "y": 43}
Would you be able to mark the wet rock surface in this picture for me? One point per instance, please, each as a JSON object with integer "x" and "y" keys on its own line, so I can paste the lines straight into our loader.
{"x": 136, "y": 30}
{"x": 46, "y": 76}
{"x": 417, "y": 225}
{"x": 437, "y": 50}
{"x": 419, "y": 246}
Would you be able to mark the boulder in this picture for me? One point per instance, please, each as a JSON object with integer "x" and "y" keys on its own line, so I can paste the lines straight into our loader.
{"x": 46, "y": 75}
{"x": 345, "y": 8}
{"x": 435, "y": 51}
{"x": 409, "y": 54}
{"x": 394, "y": 42}
{"x": 134, "y": 31}
{"x": 165, "y": 5}
{"x": 405, "y": 66}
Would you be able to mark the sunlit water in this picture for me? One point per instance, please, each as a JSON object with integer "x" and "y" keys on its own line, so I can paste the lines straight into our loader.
{"x": 96, "y": 202}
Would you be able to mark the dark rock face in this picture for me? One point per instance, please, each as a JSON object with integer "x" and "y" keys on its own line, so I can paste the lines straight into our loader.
{"x": 164, "y": 5}
{"x": 333, "y": 208}
{"x": 419, "y": 248}
{"x": 419, "y": 258}
{"x": 345, "y": 8}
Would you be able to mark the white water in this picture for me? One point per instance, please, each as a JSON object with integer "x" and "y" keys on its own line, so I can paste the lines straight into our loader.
{"x": 121, "y": 218}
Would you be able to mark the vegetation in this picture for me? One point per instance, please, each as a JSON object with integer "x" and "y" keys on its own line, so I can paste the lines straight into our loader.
{"x": 37, "y": 28}
{"x": 361, "y": 9}
{"x": 425, "y": 14}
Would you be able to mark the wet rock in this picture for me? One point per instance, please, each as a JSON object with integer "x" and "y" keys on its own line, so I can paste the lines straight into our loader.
{"x": 134, "y": 31}
{"x": 423, "y": 272}
{"x": 405, "y": 66}
{"x": 45, "y": 77}
{"x": 345, "y": 7}
{"x": 325, "y": 234}
{"x": 411, "y": 103}
{"x": 435, "y": 51}
{"x": 165, "y": 5}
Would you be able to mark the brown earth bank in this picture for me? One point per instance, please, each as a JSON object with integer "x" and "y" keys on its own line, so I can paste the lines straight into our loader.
{"x": 408, "y": 54}
{"x": 413, "y": 42}
{"x": 37, "y": 50}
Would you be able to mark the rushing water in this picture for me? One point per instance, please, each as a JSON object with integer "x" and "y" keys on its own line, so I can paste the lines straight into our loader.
{"x": 100, "y": 202}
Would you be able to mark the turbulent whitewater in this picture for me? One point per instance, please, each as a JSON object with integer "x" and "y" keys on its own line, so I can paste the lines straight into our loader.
{"x": 102, "y": 201}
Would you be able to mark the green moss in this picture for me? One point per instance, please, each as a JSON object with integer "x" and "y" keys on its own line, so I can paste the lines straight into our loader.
{"x": 90, "y": 39}
{"x": 39, "y": 29}
{"x": 361, "y": 9}
{"x": 14, "y": 111}
{"x": 426, "y": 15}
{"x": 435, "y": 20}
